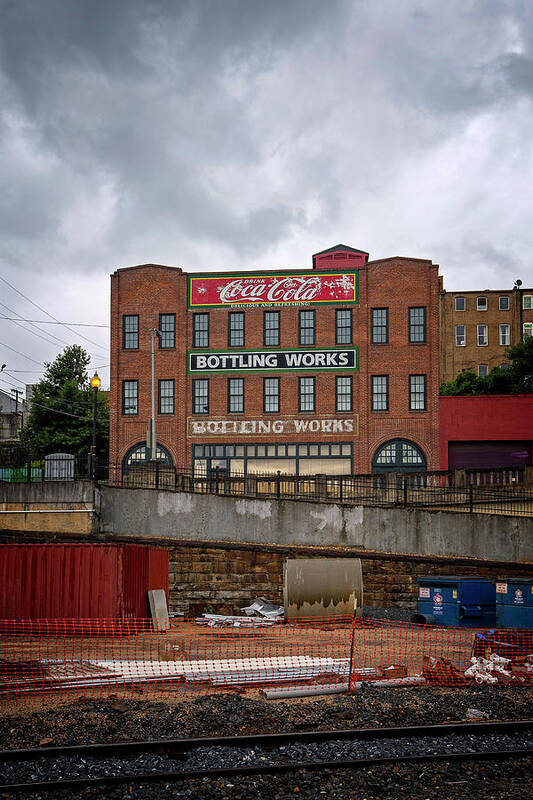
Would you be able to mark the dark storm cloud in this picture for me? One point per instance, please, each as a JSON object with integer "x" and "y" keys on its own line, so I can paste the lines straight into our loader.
{"x": 518, "y": 70}
{"x": 223, "y": 133}
{"x": 139, "y": 95}
{"x": 151, "y": 98}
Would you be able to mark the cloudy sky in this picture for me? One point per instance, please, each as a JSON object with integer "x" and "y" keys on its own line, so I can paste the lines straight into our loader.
{"x": 212, "y": 134}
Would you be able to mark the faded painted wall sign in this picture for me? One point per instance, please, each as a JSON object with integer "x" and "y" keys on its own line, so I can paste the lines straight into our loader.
{"x": 253, "y": 427}
{"x": 260, "y": 290}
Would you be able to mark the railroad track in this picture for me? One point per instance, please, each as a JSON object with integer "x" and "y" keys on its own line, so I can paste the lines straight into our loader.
{"x": 180, "y": 759}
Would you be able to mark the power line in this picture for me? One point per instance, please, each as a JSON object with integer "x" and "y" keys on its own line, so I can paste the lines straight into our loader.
{"x": 49, "y": 322}
{"x": 57, "y": 411}
{"x": 4, "y": 380}
{"x": 23, "y": 354}
{"x": 65, "y": 413}
{"x": 67, "y": 403}
{"x": 51, "y": 338}
{"x": 48, "y": 313}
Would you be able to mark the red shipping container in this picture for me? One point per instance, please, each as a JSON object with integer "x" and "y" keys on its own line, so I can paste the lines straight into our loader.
{"x": 79, "y": 581}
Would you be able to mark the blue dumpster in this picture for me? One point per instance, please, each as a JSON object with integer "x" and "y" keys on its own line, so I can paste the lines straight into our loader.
{"x": 456, "y": 602}
{"x": 514, "y": 602}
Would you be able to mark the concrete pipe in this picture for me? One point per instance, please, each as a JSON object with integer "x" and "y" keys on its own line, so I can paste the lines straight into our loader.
{"x": 322, "y": 587}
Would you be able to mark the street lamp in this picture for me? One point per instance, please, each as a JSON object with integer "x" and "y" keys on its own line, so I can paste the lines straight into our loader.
{"x": 95, "y": 385}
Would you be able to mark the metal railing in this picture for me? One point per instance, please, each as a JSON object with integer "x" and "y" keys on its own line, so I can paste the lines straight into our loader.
{"x": 57, "y": 467}
{"x": 471, "y": 491}
{"x": 492, "y": 491}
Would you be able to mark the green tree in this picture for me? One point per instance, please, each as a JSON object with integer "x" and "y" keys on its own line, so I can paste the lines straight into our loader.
{"x": 516, "y": 377}
{"x": 60, "y": 418}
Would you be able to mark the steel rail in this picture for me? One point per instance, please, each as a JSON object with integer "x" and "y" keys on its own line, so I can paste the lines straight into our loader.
{"x": 267, "y": 739}
{"x": 269, "y": 769}
{"x": 174, "y": 746}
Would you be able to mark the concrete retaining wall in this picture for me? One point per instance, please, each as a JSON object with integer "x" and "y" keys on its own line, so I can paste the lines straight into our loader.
{"x": 197, "y": 517}
{"x": 61, "y": 506}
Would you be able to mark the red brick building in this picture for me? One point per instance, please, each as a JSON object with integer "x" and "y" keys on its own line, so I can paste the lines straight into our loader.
{"x": 333, "y": 369}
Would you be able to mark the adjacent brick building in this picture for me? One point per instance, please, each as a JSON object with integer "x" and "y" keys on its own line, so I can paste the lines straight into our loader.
{"x": 476, "y": 328}
{"x": 333, "y": 369}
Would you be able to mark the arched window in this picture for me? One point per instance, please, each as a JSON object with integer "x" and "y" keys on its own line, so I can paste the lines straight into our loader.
{"x": 399, "y": 455}
{"x": 138, "y": 455}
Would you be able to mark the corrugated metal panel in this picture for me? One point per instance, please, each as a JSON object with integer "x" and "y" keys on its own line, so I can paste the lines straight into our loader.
{"x": 77, "y": 581}
{"x": 135, "y": 582}
{"x": 158, "y": 569}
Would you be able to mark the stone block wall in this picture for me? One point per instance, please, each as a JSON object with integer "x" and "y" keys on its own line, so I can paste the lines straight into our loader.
{"x": 226, "y": 577}
{"x": 223, "y": 577}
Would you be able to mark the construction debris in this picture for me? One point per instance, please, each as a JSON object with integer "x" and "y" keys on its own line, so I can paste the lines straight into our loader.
{"x": 496, "y": 668}
{"x": 315, "y": 690}
{"x": 223, "y": 621}
{"x": 158, "y": 610}
{"x": 442, "y": 671}
{"x": 260, "y": 614}
{"x": 261, "y": 607}
{"x": 59, "y": 675}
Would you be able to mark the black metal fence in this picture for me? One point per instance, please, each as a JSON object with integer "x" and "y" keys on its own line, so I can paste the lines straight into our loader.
{"x": 483, "y": 491}
{"x": 55, "y": 467}
{"x": 496, "y": 491}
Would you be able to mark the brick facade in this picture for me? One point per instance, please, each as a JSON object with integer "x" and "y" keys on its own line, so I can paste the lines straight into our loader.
{"x": 336, "y": 440}
{"x": 460, "y": 318}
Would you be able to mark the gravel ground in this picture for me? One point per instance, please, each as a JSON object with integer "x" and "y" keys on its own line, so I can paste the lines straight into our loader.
{"x": 96, "y": 720}
{"x": 393, "y": 613}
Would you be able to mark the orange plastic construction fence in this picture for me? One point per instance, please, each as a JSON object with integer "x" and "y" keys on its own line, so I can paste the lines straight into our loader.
{"x": 209, "y": 654}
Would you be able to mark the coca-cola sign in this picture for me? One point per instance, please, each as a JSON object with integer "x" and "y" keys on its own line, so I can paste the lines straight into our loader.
{"x": 268, "y": 290}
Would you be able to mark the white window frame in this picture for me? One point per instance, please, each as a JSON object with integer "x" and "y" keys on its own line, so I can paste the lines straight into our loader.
{"x": 527, "y": 301}
{"x": 457, "y": 342}
{"x": 504, "y": 297}
{"x": 486, "y": 337}
{"x": 479, "y": 305}
{"x": 485, "y": 372}
{"x": 527, "y": 330}
{"x": 464, "y": 304}
{"x": 505, "y": 334}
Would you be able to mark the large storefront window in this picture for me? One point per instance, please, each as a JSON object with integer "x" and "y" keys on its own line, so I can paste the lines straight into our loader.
{"x": 268, "y": 459}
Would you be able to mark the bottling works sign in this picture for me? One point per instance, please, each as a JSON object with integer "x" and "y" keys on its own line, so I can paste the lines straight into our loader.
{"x": 221, "y": 426}
{"x": 268, "y": 290}
{"x": 273, "y": 360}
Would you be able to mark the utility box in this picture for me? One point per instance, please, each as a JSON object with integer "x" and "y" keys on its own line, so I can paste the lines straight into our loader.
{"x": 514, "y": 602}
{"x": 453, "y": 601}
